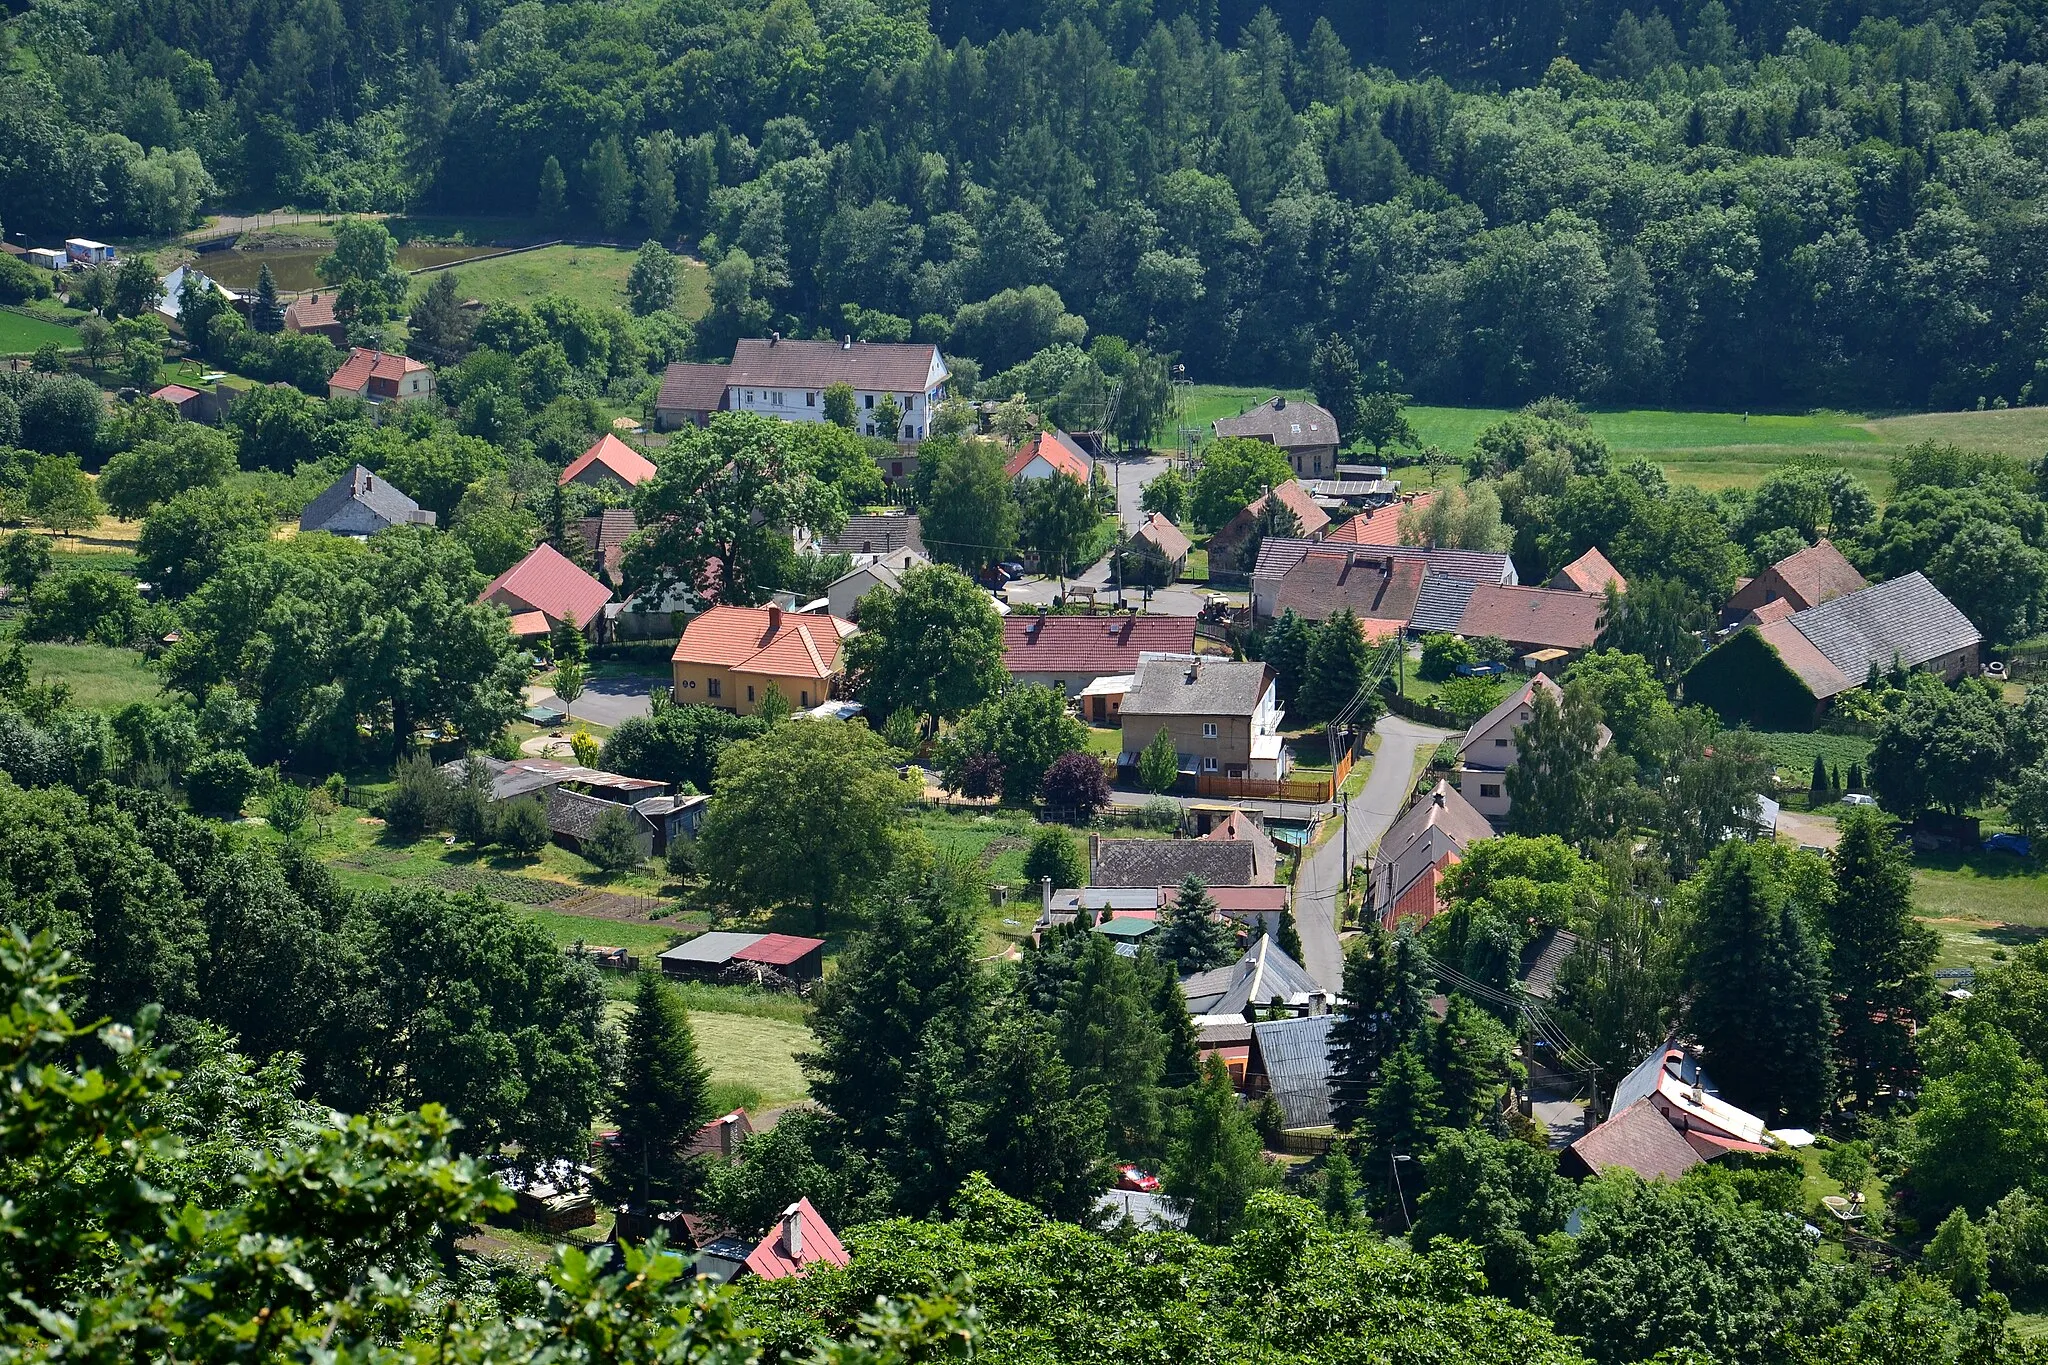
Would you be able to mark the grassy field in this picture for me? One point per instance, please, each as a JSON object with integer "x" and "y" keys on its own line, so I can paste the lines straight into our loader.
{"x": 594, "y": 275}
{"x": 99, "y": 676}
{"x": 1991, "y": 887}
{"x": 19, "y": 334}
{"x": 1705, "y": 449}
{"x": 753, "y": 1053}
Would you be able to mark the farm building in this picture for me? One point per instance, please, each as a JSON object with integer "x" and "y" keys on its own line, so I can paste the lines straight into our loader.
{"x": 709, "y": 954}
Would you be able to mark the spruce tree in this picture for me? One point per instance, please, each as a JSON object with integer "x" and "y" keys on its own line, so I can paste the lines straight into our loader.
{"x": 1336, "y": 666}
{"x": 1384, "y": 1006}
{"x": 1472, "y": 1057}
{"x": 1039, "y": 1140}
{"x": 915, "y": 967}
{"x": 268, "y": 313}
{"x": 1406, "y": 1109}
{"x": 662, "y": 1097}
{"x": 1880, "y": 958}
{"x": 1183, "y": 1059}
{"x": 1195, "y": 938}
{"x": 553, "y": 204}
{"x": 1817, "y": 789}
{"x": 1286, "y": 653}
{"x": 1111, "y": 1038}
{"x": 1759, "y": 990}
{"x": 1215, "y": 1164}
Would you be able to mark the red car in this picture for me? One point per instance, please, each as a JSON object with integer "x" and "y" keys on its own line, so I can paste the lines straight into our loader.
{"x": 1131, "y": 1178}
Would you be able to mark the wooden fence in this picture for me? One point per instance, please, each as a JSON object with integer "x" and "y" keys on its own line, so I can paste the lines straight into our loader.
{"x": 1302, "y": 1144}
{"x": 1309, "y": 789}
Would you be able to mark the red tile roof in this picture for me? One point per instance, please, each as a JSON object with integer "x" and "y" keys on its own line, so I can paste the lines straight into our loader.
{"x": 1806, "y": 579}
{"x": 631, "y": 467}
{"x": 1543, "y": 617}
{"x": 1639, "y": 1139}
{"x": 772, "y": 1260}
{"x": 895, "y": 367}
{"x": 311, "y": 313}
{"x": 693, "y": 388}
{"x": 778, "y": 950}
{"x": 1590, "y": 572}
{"x": 175, "y": 393}
{"x": 764, "y": 640}
{"x": 1168, "y": 539}
{"x": 363, "y": 368}
{"x": 1047, "y": 444}
{"x": 1379, "y": 588}
{"x": 1378, "y": 525}
{"x": 1091, "y": 646}
{"x": 549, "y": 582}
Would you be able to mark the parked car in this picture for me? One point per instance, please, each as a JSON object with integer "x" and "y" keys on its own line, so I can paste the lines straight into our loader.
{"x": 1132, "y": 1178}
{"x": 1012, "y": 568}
{"x": 1859, "y": 799}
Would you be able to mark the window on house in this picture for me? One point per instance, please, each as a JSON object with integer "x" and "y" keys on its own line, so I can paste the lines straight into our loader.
{"x": 811, "y": 399}
{"x": 1208, "y": 729}
{"x": 910, "y": 403}
{"x": 895, "y": 469}
{"x": 1489, "y": 789}
{"x": 1209, "y": 764}
{"x": 776, "y": 398}
{"x": 711, "y": 689}
{"x": 750, "y": 395}
{"x": 906, "y": 432}
{"x": 804, "y": 699}
{"x": 750, "y": 691}
{"x": 870, "y": 400}
{"x": 1500, "y": 744}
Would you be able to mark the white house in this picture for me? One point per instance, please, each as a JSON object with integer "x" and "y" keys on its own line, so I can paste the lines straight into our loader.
{"x": 788, "y": 379}
{"x": 1490, "y": 747}
{"x": 88, "y": 252}
{"x": 48, "y": 257}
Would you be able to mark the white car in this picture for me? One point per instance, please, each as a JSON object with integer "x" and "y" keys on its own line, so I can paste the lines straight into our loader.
{"x": 1858, "y": 799}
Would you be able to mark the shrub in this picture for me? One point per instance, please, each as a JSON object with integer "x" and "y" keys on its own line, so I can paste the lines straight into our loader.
{"x": 469, "y": 805}
{"x": 1056, "y": 854}
{"x": 681, "y": 857}
{"x": 84, "y": 604}
{"x": 522, "y": 826}
{"x": 1076, "y": 787}
{"x": 1441, "y": 655}
{"x": 220, "y": 783}
{"x": 1958, "y": 1256}
{"x": 1159, "y": 763}
{"x": 1467, "y": 699}
{"x": 288, "y": 808}
{"x": 613, "y": 842}
{"x": 420, "y": 802}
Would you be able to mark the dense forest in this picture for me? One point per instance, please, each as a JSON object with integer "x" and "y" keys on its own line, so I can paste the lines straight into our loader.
{"x": 1763, "y": 204}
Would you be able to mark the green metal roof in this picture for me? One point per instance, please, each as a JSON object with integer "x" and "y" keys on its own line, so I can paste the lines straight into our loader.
{"x": 1126, "y": 927}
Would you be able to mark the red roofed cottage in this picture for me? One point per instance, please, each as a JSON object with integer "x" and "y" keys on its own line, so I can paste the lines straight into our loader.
{"x": 549, "y": 585}
{"x": 730, "y": 656}
{"x": 380, "y": 377}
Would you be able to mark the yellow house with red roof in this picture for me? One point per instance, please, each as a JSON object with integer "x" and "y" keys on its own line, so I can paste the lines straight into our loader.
{"x": 729, "y": 656}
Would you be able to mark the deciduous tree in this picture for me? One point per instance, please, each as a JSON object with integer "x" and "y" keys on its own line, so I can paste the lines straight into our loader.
{"x": 935, "y": 646}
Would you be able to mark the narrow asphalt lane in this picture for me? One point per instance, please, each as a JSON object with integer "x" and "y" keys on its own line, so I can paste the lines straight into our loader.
{"x": 1321, "y": 874}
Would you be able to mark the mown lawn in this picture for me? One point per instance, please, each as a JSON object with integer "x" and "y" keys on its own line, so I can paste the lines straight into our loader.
{"x": 595, "y": 275}
{"x": 1992, "y": 887}
{"x": 750, "y": 1053}
{"x": 21, "y": 334}
{"x": 99, "y": 676}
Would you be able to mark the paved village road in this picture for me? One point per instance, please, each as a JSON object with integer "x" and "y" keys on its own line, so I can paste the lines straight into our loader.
{"x": 1372, "y": 811}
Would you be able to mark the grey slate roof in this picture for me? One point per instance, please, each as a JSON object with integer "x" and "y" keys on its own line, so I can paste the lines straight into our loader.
{"x": 1542, "y": 959}
{"x": 877, "y": 534}
{"x": 1296, "y": 1057}
{"x": 576, "y": 815}
{"x": 1906, "y": 619}
{"x": 1278, "y": 554}
{"x": 1254, "y": 979}
{"x": 1197, "y": 687}
{"x": 1441, "y": 604}
{"x": 1289, "y": 423}
{"x": 1168, "y": 862}
{"x": 359, "y": 486}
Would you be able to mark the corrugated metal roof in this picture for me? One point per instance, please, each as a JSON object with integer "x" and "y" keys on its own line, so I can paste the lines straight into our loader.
{"x": 778, "y": 950}
{"x": 1295, "y": 1054}
{"x": 717, "y": 945}
{"x": 1264, "y": 972}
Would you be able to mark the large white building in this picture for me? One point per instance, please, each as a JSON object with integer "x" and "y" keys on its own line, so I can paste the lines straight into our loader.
{"x": 788, "y": 379}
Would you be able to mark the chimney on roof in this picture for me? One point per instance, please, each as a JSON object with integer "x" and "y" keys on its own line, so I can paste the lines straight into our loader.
{"x": 1045, "y": 897}
{"x": 1437, "y": 799}
{"x": 1194, "y": 668}
{"x": 1094, "y": 849}
{"x": 775, "y": 339}
{"x": 1318, "y": 1004}
{"x": 774, "y": 619}
{"x": 1279, "y": 402}
{"x": 728, "y": 1133}
{"x": 793, "y": 1232}
{"x": 846, "y": 342}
